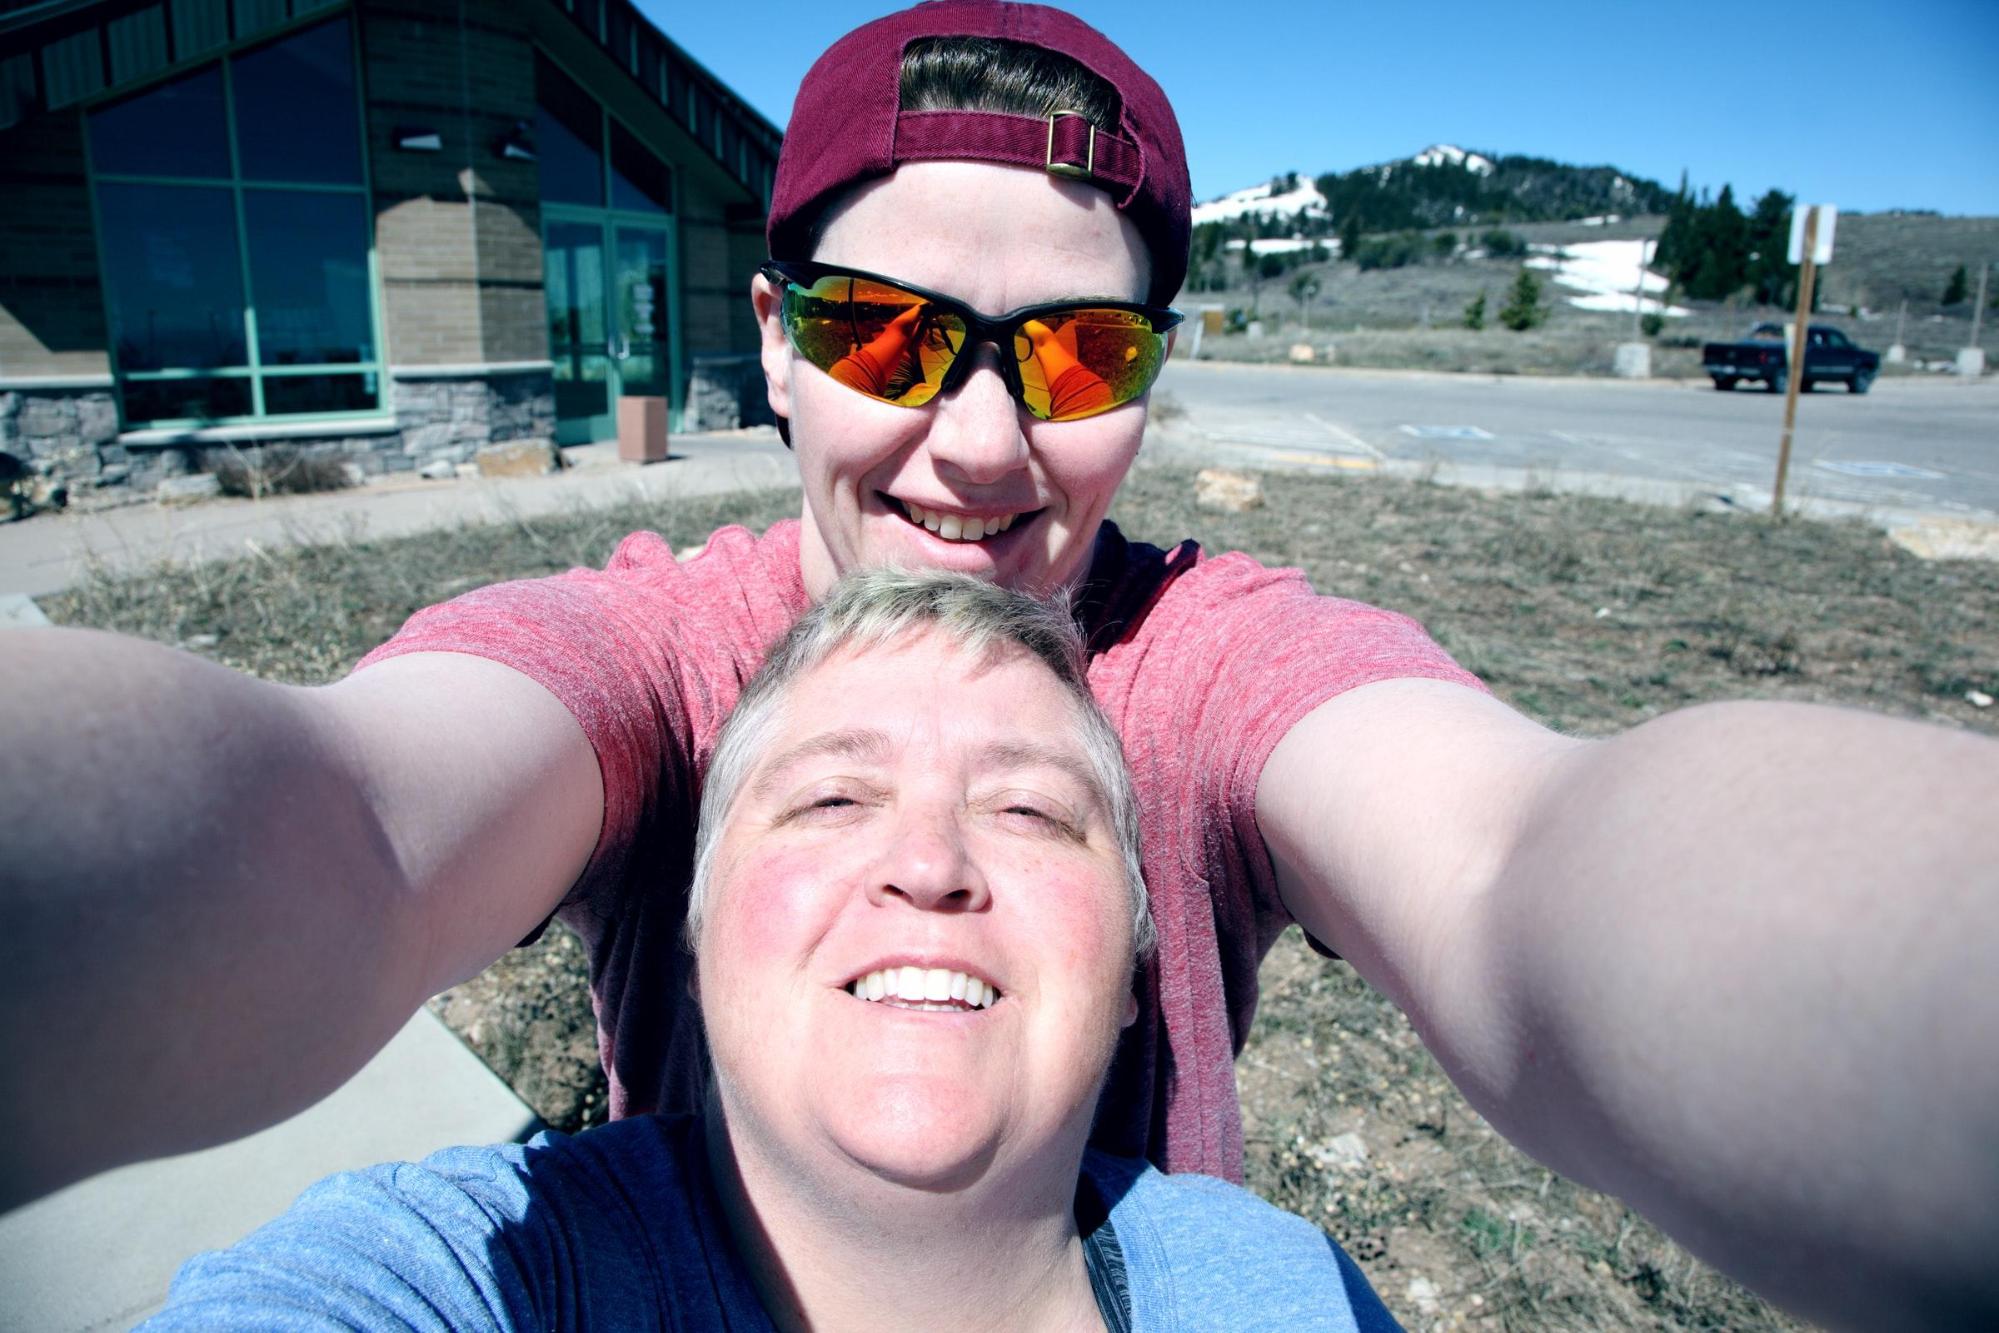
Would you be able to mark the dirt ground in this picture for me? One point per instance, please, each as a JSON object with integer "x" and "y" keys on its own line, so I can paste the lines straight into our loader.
{"x": 1590, "y": 615}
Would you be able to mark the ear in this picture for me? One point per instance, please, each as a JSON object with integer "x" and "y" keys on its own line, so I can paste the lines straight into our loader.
{"x": 773, "y": 349}
{"x": 1130, "y": 1010}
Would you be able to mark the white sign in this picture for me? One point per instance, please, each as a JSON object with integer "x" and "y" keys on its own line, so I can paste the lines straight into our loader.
{"x": 1822, "y": 251}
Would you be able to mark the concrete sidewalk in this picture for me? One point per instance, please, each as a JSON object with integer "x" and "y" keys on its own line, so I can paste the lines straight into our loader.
{"x": 101, "y": 1254}
{"x": 44, "y": 554}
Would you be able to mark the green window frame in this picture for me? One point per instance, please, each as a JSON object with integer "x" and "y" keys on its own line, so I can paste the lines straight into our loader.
{"x": 272, "y": 383}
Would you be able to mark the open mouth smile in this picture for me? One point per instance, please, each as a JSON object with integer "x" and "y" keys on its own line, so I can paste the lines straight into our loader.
{"x": 958, "y": 527}
{"x": 935, "y": 990}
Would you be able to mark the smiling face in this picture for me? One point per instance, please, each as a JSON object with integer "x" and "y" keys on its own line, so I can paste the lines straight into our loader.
{"x": 886, "y": 484}
{"x": 920, "y": 822}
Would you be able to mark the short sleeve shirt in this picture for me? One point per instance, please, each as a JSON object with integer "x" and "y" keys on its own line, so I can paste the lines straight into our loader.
{"x": 1202, "y": 663}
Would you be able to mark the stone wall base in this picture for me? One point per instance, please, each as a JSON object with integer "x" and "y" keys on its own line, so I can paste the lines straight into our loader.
{"x": 69, "y": 437}
{"x": 725, "y": 392}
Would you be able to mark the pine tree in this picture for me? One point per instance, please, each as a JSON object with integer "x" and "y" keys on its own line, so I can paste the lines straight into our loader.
{"x": 1475, "y": 313}
{"x": 1960, "y": 283}
{"x": 1349, "y": 234}
{"x": 1771, "y": 275}
{"x": 1523, "y": 309}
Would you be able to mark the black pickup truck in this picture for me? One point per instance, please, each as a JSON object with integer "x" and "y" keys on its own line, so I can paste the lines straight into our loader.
{"x": 1763, "y": 355}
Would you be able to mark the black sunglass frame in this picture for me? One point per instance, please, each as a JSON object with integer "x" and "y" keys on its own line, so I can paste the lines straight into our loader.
{"x": 999, "y": 331}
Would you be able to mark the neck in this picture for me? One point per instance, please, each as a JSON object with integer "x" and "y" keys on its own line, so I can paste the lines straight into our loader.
{"x": 869, "y": 1255}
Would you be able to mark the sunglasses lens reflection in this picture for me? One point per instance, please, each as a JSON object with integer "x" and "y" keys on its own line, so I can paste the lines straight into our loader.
{"x": 1077, "y": 363}
{"x": 873, "y": 337}
{"x": 897, "y": 346}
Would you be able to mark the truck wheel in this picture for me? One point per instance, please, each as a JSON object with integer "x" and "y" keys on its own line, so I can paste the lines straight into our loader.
{"x": 1862, "y": 381}
{"x": 1724, "y": 382}
{"x": 1779, "y": 381}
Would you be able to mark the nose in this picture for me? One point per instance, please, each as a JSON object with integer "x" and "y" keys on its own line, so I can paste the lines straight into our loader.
{"x": 975, "y": 435}
{"x": 931, "y": 866}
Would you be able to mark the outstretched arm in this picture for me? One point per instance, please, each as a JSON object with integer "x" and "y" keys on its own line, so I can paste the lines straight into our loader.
{"x": 222, "y": 895}
{"x": 1734, "y": 966}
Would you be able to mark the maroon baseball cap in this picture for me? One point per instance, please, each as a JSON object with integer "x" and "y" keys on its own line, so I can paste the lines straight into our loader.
{"x": 848, "y": 126}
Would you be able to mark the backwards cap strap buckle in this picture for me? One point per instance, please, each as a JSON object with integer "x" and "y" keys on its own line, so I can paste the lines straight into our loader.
{"x": 1068, "y": 167}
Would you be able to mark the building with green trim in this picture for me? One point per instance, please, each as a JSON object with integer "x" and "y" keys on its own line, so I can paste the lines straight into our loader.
{"x": 395, "y": 230}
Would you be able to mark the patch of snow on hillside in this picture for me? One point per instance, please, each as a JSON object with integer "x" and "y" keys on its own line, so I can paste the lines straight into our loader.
{"x": 1605, "y": 272}
{"x": 1284, "y": 245}
{"x": 1258, "y": 199}
{"x": 1445, "y": 154}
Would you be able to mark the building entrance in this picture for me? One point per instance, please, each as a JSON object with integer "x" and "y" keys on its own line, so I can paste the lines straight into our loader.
{"x": 607, "y": 282}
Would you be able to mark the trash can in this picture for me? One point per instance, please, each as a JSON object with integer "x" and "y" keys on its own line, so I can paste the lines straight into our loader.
{"x": 642, "y": 430}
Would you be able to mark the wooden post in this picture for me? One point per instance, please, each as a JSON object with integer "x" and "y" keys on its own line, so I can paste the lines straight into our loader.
{"x": 1978, "y": 311}
{"x": 1794, "y": 370}
{"x": 1638, "y": 293}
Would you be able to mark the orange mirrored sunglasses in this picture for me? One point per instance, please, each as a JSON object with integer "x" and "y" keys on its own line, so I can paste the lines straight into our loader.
{"x": 901, "y": 344}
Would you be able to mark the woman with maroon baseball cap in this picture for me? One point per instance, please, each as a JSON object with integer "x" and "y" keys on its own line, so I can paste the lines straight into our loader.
{"x": 1635, "y": 956}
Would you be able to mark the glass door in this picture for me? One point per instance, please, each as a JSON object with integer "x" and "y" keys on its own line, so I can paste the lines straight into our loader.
{"x": 640, "y": 353}
{"x": 608, "y": 283}
{"x": 578, "y": 337}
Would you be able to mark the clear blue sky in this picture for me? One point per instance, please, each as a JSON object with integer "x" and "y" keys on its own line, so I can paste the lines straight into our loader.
{"x": 1872, "y": 105}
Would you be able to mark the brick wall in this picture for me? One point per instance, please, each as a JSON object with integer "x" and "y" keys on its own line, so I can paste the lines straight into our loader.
{"x": 456, "y": 231}
{"x": 51, "y": 303}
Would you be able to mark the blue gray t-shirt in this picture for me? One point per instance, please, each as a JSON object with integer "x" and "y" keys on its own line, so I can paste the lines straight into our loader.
{"x": 619, "y": 1228}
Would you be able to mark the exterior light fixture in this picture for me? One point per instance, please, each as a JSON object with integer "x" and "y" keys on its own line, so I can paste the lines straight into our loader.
{"x": 517, "y": 144}
{"x": 416, "y": 139}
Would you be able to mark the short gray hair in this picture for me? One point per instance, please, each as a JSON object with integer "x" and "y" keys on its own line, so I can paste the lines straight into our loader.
{"x": 874, "y": 607}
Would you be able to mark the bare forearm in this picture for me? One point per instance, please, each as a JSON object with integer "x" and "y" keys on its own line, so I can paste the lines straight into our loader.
{"x": 198, "y": 903}
{"x": 1739, "y": 972}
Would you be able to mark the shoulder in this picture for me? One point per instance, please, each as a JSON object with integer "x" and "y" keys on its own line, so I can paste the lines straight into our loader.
{"x": 489, "y": 1237}
{"x": 1202, "y": 1253}
{"x": 1185, "y": 594}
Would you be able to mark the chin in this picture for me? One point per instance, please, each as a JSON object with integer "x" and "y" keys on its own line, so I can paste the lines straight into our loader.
{"x": 917, "y": 1138}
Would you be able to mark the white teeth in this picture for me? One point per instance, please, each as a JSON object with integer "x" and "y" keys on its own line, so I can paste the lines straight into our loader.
{"x": 957, "y": 527}
{"x": 931, "y": 989}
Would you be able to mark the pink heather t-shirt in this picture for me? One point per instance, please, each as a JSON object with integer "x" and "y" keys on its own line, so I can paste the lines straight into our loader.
{"x": 1202, "y": 663}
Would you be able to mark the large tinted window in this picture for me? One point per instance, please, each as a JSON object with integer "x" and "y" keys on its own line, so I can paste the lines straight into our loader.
{"x": 296, "y": 118}
{"x": 640, "y": 182}
{"x": 200, "y": 252}
{"x": 569, "y": 138}
{"x": 175, "y": 277}
{"x": 176, "y": 129}
{"x": 309, "y": 270}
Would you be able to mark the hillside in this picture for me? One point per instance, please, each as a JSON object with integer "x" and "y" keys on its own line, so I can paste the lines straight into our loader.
{"x": 1439, "y": 187}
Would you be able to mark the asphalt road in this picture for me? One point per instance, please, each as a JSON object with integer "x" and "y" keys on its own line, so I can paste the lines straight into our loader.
{"x": 1929, "y": 444}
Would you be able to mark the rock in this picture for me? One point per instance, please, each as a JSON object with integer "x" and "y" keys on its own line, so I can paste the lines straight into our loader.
{"x": 1422, "y": 1294}
{"x": 1227, "y": 491}
{"x": 1342, "y": 1152}
{"x": 518, "y": 458}
{"x": 188, "y": 489}
{"x": 1978, "y": 698}
{"x": 1302, "y": 353}
{"x": 1948, "y": 539}
{"x": 1632, "y": 361}
{"x": 466, "y": 471}
{"x": 438, "y": 469}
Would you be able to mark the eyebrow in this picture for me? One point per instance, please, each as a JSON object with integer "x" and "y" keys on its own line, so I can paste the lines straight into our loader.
{"x": 1027, "y": 754}
{"x": 871, "y": 745}
{"x": 864, "y": 743}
